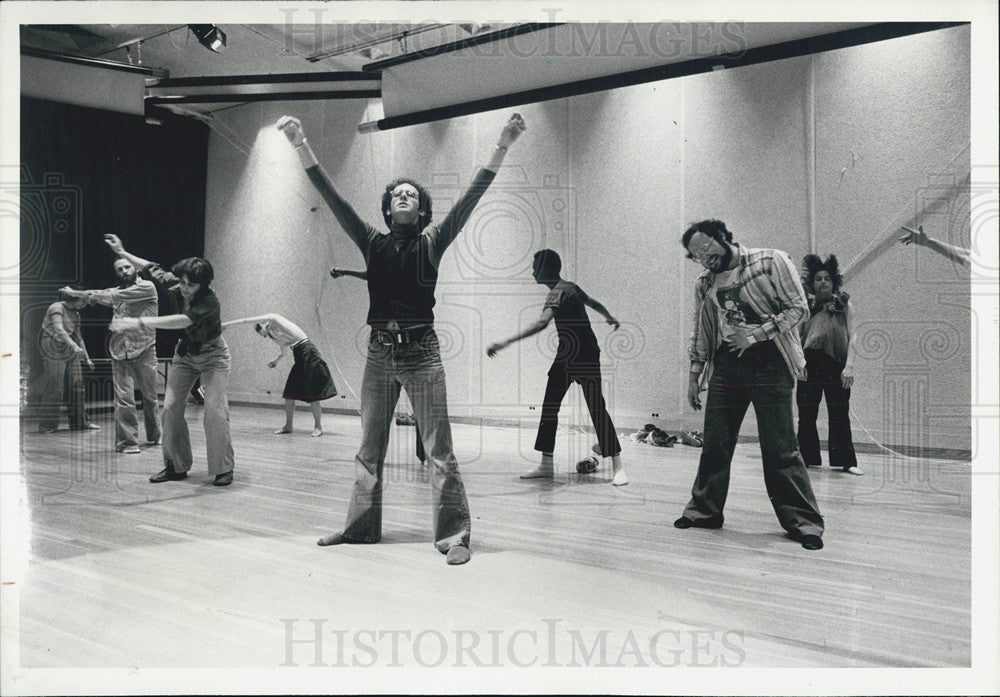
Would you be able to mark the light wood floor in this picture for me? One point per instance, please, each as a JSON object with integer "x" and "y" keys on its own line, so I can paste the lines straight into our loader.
{"x": 572, "y": 572}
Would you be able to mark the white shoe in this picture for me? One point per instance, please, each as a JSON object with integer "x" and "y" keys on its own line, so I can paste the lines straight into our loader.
{"x": 538, "y": 473}
{"x": 857, "y": 471}
{"x": 621, "y": 479}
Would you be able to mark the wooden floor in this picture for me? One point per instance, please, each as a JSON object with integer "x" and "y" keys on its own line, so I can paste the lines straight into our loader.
{"x": 123, "y": 573}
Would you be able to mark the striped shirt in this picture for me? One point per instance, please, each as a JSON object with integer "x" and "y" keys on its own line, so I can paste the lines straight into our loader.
{"x": 769, "y": 283}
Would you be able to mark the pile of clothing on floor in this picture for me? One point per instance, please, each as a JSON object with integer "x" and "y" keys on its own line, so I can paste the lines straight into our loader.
{"x": 651, "y": 435}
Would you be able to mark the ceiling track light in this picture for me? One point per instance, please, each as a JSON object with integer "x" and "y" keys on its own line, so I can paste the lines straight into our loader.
{"x": 209, "y": 36}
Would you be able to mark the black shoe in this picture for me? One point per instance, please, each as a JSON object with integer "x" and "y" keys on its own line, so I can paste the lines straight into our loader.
{"x": 224, "y": 479}
{"x": 708, "y": 523}
{"x": 167, "y": 474}
{"x": 811, "y": 541}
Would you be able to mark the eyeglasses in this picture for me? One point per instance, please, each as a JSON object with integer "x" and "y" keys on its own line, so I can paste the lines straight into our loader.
{"x": 404, "y": 193}
{"x": 702, "y": 253}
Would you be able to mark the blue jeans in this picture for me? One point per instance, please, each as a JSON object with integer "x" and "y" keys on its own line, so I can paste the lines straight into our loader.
{"x": 417, "y": 368}
{"x": 212, "y": 364}
{"x": 129, "y": 375}
{"x": 761, "y": 377}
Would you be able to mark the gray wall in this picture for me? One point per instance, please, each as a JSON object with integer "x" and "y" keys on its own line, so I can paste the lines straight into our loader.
{"x": 835, "y": 150}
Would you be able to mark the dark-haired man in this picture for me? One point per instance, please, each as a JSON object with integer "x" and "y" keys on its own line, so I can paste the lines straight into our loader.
{"x": 748, "y": 304}
{"x": 577, "y": 359}
{"x": 403, "y": 349}
{"x": 201, "y": 352}
{"x": 133, "y": 355}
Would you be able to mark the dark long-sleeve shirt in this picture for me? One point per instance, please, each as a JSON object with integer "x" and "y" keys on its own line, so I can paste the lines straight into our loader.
{"x": 203, "y": 310}
{"x": 402, "y": 271}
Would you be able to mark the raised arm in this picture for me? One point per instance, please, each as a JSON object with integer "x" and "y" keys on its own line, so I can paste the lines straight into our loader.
{"x": 541, "y": 323}
{"x": 950, "y": 251}
{"x": 603, "y": 311}
{"x": 116, "y": 246}
{"x": 459, "y": 214}
{"x": 348, "y": 218}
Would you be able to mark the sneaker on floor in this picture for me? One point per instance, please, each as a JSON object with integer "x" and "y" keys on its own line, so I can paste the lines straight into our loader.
{"x": 856, "y": 471}
{"x": 151, "y": 443}
{"x": 131, "y": 450}
{"x": 620, "y": 478}
{"x": 224, "y": 479}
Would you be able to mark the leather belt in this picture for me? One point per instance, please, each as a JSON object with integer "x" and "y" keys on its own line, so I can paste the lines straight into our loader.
{"x": 399, "y": 337}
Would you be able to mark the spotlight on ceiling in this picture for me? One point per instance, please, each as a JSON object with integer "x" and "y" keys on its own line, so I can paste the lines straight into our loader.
{"x": 209, "y": 36}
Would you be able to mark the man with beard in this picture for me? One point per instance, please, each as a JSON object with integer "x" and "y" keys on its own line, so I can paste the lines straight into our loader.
{"x": 133, "y": 355}
{"x": 748, "y": 305}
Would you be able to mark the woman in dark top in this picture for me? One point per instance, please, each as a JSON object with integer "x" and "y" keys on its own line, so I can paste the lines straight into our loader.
{"x": 201, "y": 353}
{"x": 828, "y": 343}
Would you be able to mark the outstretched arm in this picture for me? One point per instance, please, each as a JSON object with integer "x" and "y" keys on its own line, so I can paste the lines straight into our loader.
{"x": 337, "y": 273}
{"x": 603, "y": 311}
{"x": 120, "y": 324}
{"x": 348, "y": 218}
{"x": 542, "y": 322}
{"x": 951, "y": 251}
{"x": 116, "y": 246}
{"x": 253, "y": 320}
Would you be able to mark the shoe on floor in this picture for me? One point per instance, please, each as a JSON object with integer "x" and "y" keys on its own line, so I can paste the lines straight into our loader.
{"x": 458, "y": 555}
{"x": 91, "y": 427}
{"x": 707, "y": 523}
{"x": 588, "y": 465}
{"x": 620, "y": 478}
{"x": 811, "y": 542}
{"x": 151, "y": 443}
{"x": 224, "y": 479}
{"x": 167, "y": 474}
{"x": 539, "y": 473}
{"x": 131, "y": 450}
{"x": 856, "y": 471}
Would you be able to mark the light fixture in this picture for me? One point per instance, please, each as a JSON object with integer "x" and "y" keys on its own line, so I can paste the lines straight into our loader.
{"x": 209, "y": 36}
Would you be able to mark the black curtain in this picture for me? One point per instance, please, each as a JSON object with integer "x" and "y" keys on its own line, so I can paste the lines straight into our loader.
{"x": 86, "y": 172}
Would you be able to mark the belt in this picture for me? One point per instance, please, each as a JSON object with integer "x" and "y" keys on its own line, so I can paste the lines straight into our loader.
{"x": 399, "y": 337}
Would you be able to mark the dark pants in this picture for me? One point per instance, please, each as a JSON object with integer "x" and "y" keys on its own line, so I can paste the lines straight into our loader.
{"x": 823, "y": 378}
{"x": 760, "y": 377}
{"x": 561, "y": 375}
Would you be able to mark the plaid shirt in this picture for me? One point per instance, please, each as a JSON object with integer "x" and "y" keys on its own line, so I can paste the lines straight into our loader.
{"x": 137, "y": 300}
{"x": 769, "y": 283}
